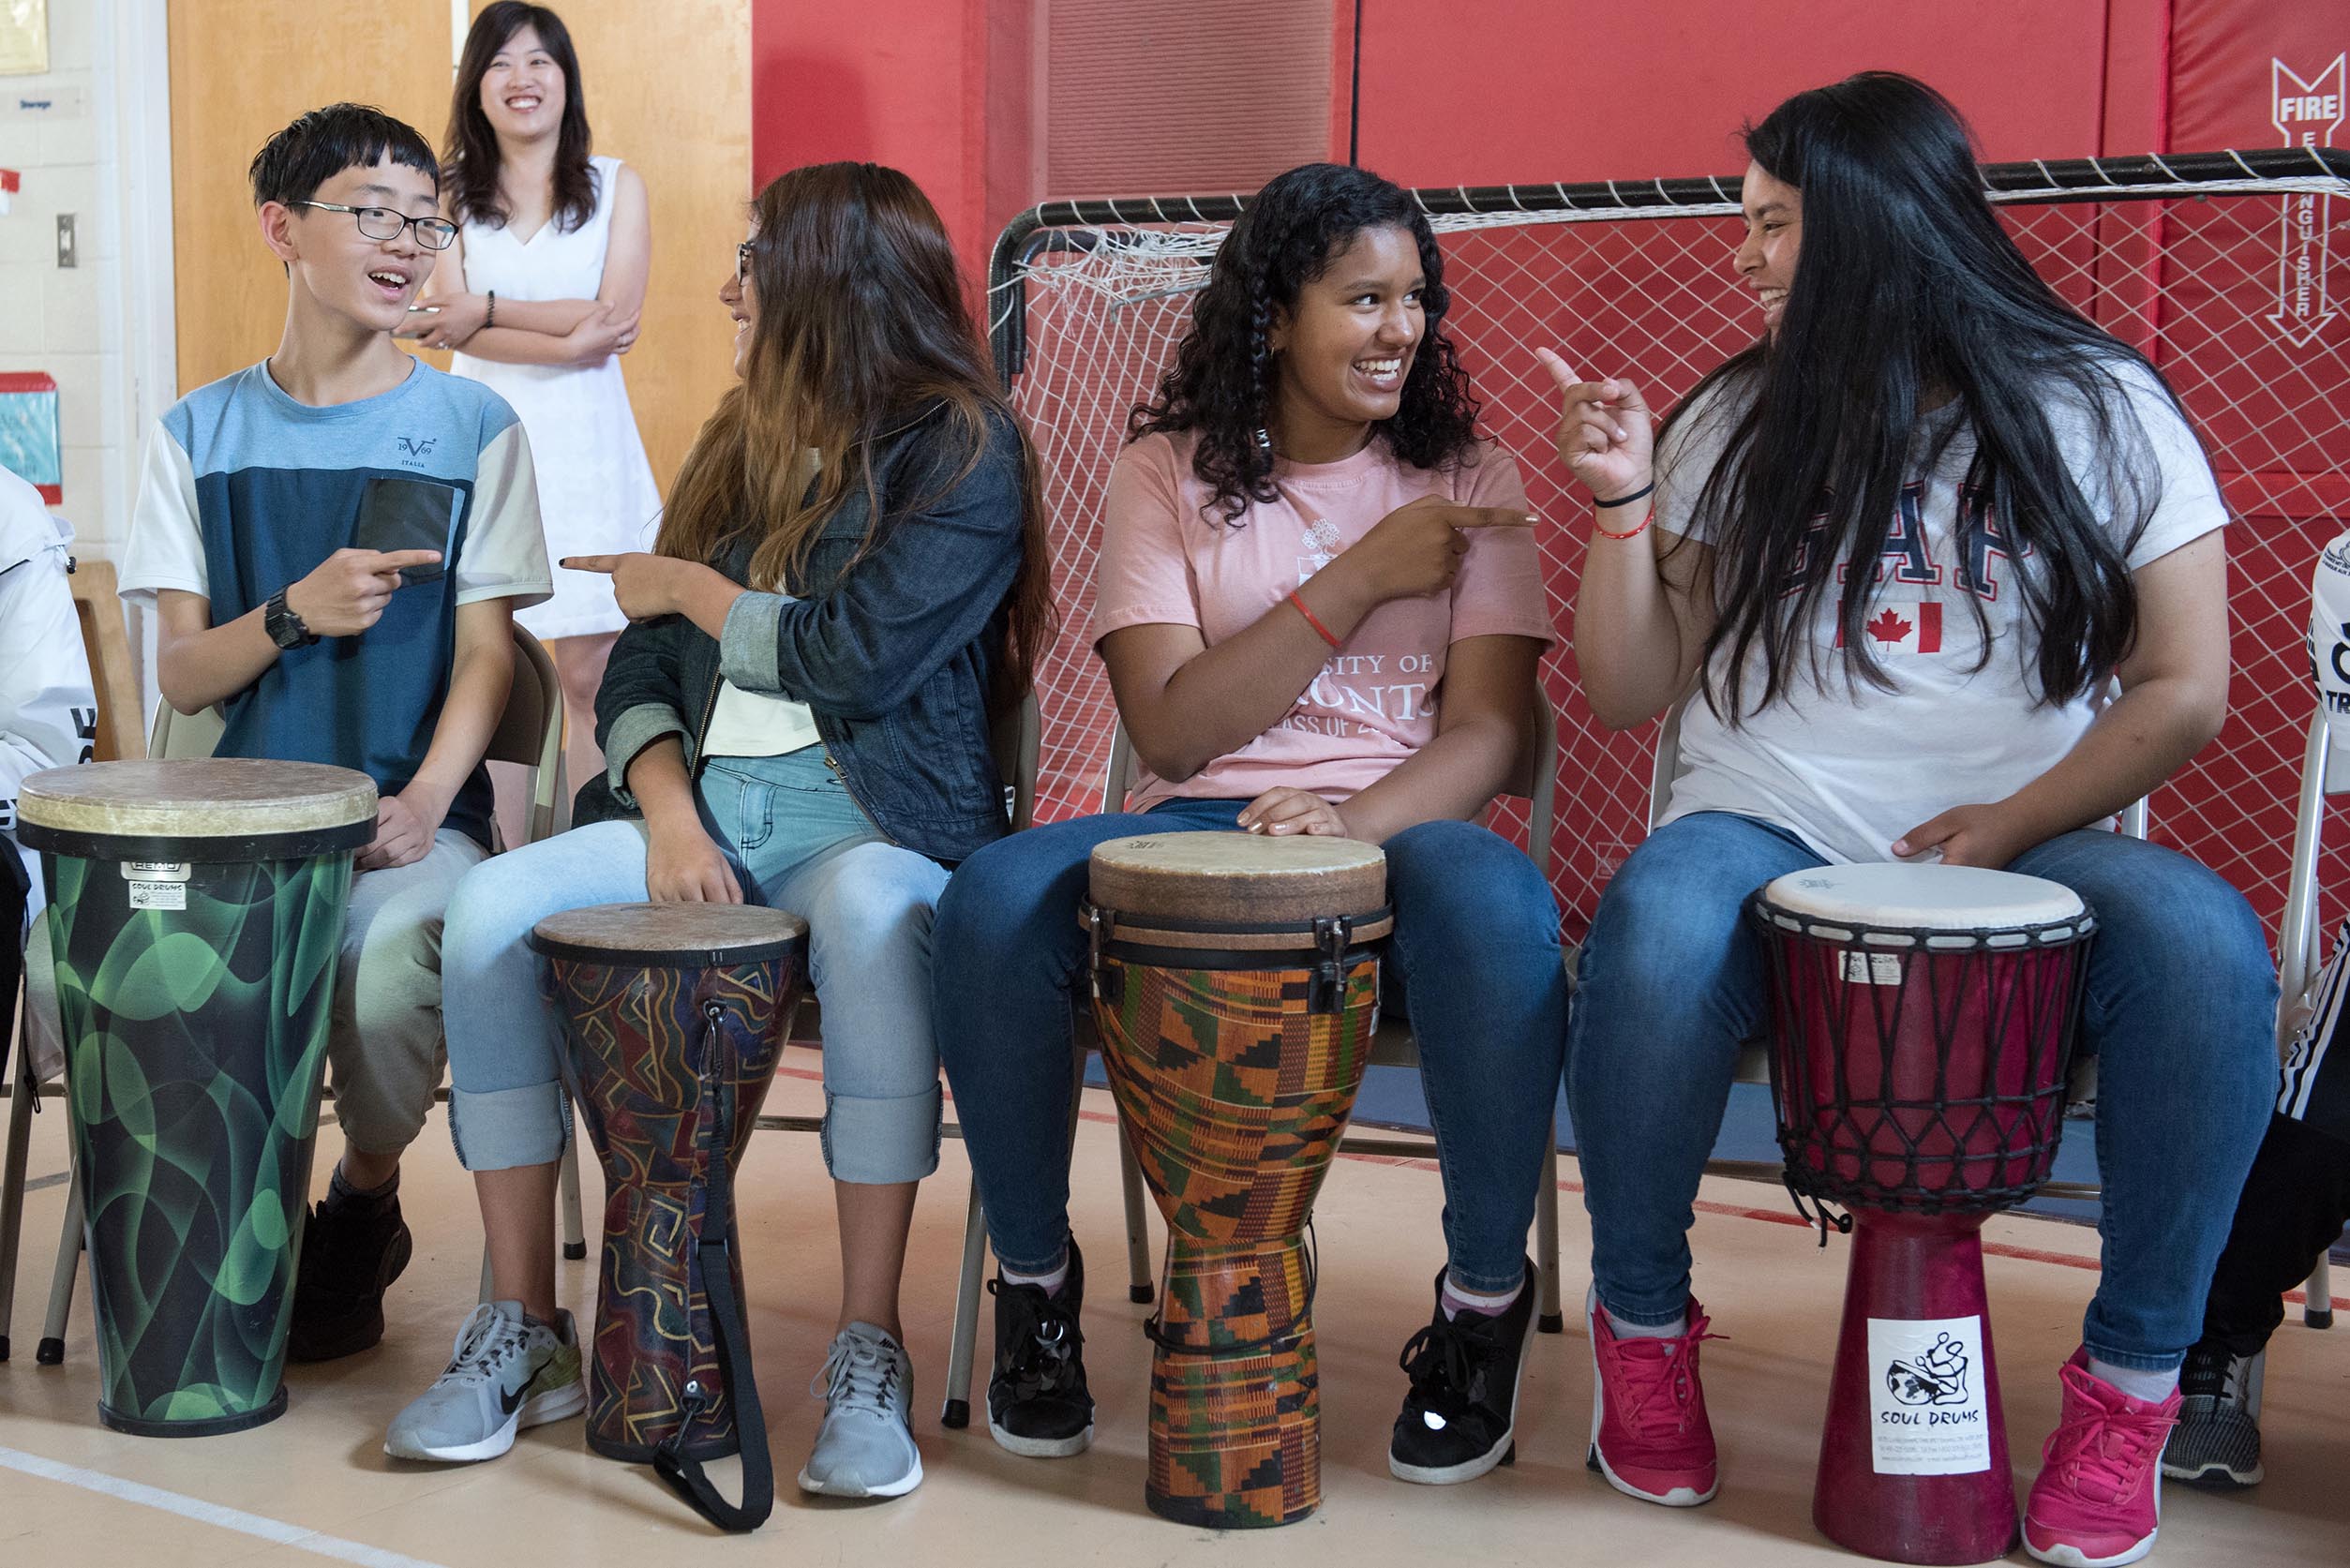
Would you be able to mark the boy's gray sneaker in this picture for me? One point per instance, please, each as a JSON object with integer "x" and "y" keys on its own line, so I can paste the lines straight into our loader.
{"x": 506, "y": 1374}
{"x": 867, "y": 1445}
{"x": 2215, "y": 1444}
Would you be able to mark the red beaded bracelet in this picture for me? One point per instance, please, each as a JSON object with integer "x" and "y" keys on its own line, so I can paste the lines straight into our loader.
{"x": 1634, "y": 533}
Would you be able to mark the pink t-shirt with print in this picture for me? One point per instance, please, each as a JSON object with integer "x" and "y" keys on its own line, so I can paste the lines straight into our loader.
{"x": 1375, "y": 703}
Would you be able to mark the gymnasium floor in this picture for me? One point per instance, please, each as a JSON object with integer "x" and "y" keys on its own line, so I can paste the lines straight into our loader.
{"x": 315, "y": 1484}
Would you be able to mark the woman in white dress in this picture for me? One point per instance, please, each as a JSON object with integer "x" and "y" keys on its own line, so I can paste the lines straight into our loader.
{"x": 539, "y": 297}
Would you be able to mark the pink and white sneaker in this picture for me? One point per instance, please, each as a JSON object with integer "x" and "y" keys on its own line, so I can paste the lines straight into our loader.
{"x": 2099, "y": 1496}
{"x": 1649, "y": 1433}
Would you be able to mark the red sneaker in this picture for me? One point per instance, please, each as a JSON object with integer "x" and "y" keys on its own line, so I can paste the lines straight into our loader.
{"x": 2099, "y": 1496}
{"x": 1649, "y": 1434}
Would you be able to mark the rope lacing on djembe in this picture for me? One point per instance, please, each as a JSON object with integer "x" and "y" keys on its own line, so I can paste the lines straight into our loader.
{"x": 1310, "y": 1265}
{"x": 1817, "y": 1216}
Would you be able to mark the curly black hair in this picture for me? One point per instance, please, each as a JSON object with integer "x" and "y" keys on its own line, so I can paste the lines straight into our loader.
{"x": 1222, "y": 382}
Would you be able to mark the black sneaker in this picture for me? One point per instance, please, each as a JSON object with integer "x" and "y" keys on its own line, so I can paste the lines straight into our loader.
{"x": 1037, "y": 1402}
{"x": 353, "y": 1249}
{"x": 2215, "y": 1444}
{"x": 1461, "y": 1418}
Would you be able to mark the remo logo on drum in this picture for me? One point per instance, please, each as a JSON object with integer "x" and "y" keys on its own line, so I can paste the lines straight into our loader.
{"x": 1927, "y": 1411}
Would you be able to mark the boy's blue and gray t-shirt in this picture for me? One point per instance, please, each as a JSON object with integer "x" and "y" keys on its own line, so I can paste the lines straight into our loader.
{"x": 246, "y": 490}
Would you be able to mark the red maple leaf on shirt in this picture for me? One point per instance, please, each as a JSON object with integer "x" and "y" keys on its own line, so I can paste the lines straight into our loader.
{"x": 1888, "y": 627}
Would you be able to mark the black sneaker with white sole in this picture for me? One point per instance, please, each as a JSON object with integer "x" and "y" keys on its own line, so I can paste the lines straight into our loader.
{"x": 2215, "y": 1444}
{"x": 1036, "y": 1401}
{"x": 1461, "y": 1418}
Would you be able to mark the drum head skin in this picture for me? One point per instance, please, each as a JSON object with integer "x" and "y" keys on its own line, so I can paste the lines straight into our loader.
{"x": 104, "y": 809}
{"x": 669, "y": 936}
{"x": 1889, "y": 896}
{"x": 1244, "y": 878}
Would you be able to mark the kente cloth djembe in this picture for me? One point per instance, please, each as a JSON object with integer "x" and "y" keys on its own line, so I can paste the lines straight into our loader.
{"x": 674, "y": 1015}
{"x": 1237, "y": 987}
{"x": 195, "y": 914}
{"x": 1921, "y": 1029}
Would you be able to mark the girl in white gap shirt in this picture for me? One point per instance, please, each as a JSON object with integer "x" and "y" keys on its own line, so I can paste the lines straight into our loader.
{"x": 1894, "y": 558}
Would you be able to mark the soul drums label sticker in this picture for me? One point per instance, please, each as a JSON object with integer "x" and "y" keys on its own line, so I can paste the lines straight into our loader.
{"x": 158, "y": 884}
{"x": 1926, "y": 1414}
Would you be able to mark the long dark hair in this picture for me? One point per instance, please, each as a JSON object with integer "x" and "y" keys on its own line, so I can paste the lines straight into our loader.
{"x": 1223, "y": 379}
{"x": 471, "y": 158}
{"x": 861, "y": 329}
{"x": 1906, "y": 288}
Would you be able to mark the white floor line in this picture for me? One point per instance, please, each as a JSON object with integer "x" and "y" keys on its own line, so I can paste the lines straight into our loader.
{"x": 256, "y": 1525}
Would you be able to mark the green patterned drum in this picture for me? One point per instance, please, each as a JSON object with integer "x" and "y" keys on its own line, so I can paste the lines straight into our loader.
{"x": 195, "y": 912}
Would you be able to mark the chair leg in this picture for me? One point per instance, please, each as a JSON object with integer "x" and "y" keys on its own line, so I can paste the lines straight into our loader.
{"x": 574, "y": 1229}
{"x": 486, "y": 1274}
{"x": 51, "y": 1351}
{"x": 1138, "y": 1271}
{"x": 1551, "y": 1317}
{"x": 23, "y": 1097}
{"x": 961, "y": 1348}
{"x": 2318, "y": 1311}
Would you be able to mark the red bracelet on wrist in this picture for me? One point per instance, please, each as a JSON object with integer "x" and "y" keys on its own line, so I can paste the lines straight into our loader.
{"x": 1635, "y": 533}
{"x": 1313, "y": 619}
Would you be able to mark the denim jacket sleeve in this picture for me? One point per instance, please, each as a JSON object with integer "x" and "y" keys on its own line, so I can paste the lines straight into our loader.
{"x": 927, "y": 588}
{"x": 642, "y": 696}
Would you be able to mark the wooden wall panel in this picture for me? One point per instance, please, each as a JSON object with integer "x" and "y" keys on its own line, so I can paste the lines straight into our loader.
{"x": 668, "y": 90}
{"x": 240, "y": 70}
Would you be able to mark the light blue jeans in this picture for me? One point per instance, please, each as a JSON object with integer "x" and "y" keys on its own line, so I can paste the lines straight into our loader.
{"x": 798, "y": 842}
{"x": 2180, "y": 1007}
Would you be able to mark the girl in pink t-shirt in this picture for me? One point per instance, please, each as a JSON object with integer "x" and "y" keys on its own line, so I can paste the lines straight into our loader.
{"x": 1322, "y": 612}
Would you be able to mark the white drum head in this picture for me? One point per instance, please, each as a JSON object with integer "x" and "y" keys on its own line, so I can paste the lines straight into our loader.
{"x": 1931, "y": 898}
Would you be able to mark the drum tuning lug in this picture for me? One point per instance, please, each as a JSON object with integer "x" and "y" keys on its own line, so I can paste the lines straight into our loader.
{"x": 1327, "y": 991}
{"x": 1096, "y": 931}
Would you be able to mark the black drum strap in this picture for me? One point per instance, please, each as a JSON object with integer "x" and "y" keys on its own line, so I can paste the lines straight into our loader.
{"x": 713, "y": 1257}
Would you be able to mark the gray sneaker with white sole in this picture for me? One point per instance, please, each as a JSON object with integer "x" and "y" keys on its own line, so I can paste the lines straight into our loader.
{"x": 865, "y": 1447}
{"x": 506, "y": 1374}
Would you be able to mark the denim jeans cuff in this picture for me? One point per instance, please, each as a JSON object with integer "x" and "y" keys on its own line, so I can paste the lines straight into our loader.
{"x": 499, "y": 1129}
{"x": 1490, "y": 1284}
{"x": 1661, "y": 1316}
{"x": 881, "y": 1140}
{"x": 2137, "y": 1361}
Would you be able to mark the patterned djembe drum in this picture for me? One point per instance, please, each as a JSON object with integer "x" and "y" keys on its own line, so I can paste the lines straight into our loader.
{"x": 674, "y": 1015}
{"x": 1921, "y": 1026}
{"x": 195, "y": 912}
{"x": 1237, "y": 987}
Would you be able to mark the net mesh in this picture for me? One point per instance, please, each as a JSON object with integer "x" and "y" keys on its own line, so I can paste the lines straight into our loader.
{"x": 2222, "y": 283}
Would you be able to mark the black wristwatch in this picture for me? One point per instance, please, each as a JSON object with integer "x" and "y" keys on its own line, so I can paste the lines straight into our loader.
{"x": 284, "y": 627}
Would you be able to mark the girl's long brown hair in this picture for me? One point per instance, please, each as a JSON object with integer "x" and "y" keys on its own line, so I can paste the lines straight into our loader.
{"x": 469, "y": 161}
{"x": 862, "y": 327}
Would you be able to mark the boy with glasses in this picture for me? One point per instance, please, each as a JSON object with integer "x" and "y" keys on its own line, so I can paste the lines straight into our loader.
{"x": 333, "y": 542}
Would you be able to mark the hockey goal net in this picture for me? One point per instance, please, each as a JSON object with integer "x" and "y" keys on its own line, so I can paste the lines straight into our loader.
{"x": 2220, "y": 266}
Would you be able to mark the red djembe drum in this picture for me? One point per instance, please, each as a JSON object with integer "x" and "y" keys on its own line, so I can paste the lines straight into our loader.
{"x": 1237, "y": 987}
{"x": 1921, "y": 1027}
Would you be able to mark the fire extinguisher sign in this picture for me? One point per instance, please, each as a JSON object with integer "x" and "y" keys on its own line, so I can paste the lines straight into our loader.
{"x": 2307, "y": 112}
